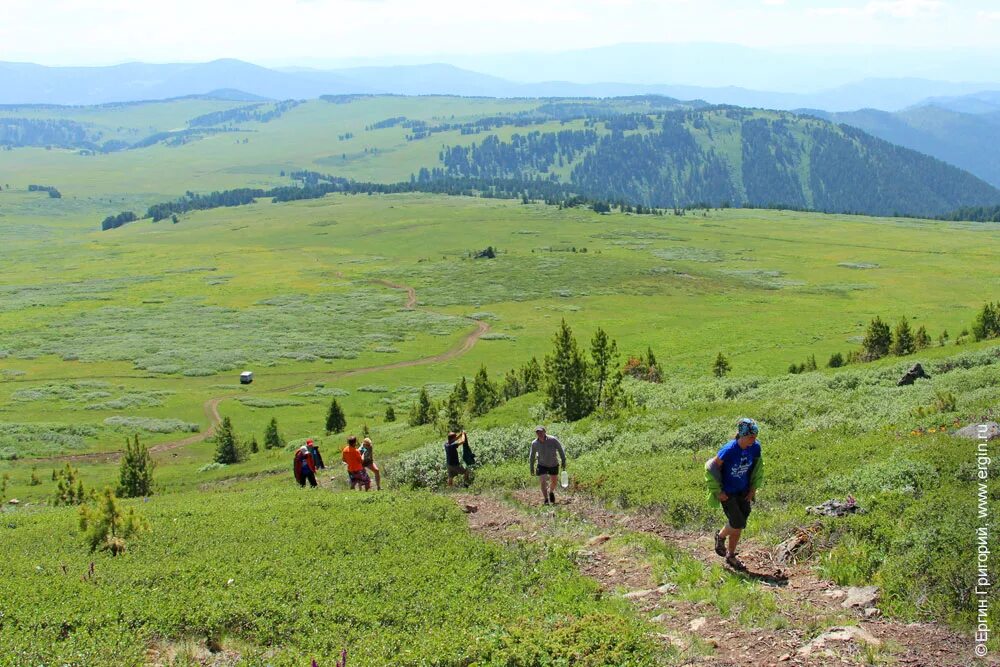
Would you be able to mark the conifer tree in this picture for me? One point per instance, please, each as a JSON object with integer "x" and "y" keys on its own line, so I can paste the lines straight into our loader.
{"x": 721, "y": 366}
{"x": 484, "y": 395}
{"x": 336, "y": 422}
{"x": 922, "y": 339}
{"x": 903, "y": 343}
{"x": 422, "y": 412}
{"x": 877, "y": 341}
{"x": 254, "y": 447}
{"x": 273, "y": 439}
{"x": 390, "y": 414}
{"x": 227, "y": 447}
{"x": 462, "y": 390}
{"x": 135, "y": 473}
{"x": 531, "y": 376}
{"x": 836, "y": 360}
{"x": 107, "y": 526}
{"x": 567, "y": 390}
{"x": 69, "y": 487}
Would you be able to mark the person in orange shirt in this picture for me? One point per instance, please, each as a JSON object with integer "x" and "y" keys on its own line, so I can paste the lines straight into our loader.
{"x": 356, "y": 474}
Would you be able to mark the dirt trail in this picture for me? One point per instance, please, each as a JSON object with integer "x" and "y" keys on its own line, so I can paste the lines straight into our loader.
{"x": 211, "y": 406}
{"x": 809, "y": 606}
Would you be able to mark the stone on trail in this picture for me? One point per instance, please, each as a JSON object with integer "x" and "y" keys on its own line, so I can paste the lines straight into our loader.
{"x": 635, "y": 595}
{"x": 13, "y": 501}
{"x": 863, "y": 596}
{"x": 834, "y": 507}
{"x": 842, "y": 634}
{"x": 697, "y": 624}
{"x": 973, "y": 431}
{"x": 470, "y": 509}
{"x": 916, "y": 371}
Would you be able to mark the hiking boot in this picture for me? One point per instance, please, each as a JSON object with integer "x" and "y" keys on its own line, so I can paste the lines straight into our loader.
{"x": 552, "y": 497}
{"x": 720, "y": 545}
{"x": 546, "y": 502}
{"x": 735, "y": 563}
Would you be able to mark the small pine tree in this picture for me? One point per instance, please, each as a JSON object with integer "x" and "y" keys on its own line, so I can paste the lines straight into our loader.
{"x": 462, "y": 390}
{"x": 3, "y": 485}
{"x": 254, "y": 447}
{"x": 811, "y": 363}
{"x": 923, "y": 339}
{"x": 877, "y": 340}
{"x": 902, "y": 342}
{"x": 422, "y": 412}
{"x": 135, "y": 474}
{"x": 364, "y": 430}
{"x": 943, "y": 338}
{"x": 650, "y": 357}
{"x": 336, "y": 422}
{"x": 55, "y": 474}
{"x": 272, "y": 438}
{"x": 390, "y": 414}
{"x": 511, "y": 385}
{"x": 107, "y": 526}
{"x": 453, "y": 413}
{"x": 836, "y": 360}
{"x": 567, "y": 386}
{"x": 69, "y": 487}
{"x": 227, "y": 447}
{"x": 793, "y": 369}
{"x": 34, "y": 478}
{"x": 987, "y": 323}
{"x": 721, "y": 366}
{"x": 531, "y": 376}
{"x": 484, "y": 395}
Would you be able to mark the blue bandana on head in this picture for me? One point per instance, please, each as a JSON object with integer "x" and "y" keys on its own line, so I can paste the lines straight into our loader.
{"x": 746, "y": 426}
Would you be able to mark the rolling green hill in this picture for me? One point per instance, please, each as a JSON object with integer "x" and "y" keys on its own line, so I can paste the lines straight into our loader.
{"x": 650, "y": 151}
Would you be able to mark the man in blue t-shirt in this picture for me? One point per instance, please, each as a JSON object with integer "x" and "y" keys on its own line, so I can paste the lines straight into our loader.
{"x": 737, "y": 469}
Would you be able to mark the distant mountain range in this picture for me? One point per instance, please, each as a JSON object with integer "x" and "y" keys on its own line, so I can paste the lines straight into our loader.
{"x": 24, "y": 83}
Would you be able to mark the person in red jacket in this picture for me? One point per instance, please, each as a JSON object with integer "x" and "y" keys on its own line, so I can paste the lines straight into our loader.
{"x": 304, "y": 467}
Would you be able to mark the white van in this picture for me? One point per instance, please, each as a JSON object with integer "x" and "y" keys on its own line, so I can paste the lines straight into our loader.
{"x": 246, "y": 377}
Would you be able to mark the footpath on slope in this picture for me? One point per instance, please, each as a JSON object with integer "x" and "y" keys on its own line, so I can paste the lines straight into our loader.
{"x": 211, "y": 406}
{"x": 808, "y": 605}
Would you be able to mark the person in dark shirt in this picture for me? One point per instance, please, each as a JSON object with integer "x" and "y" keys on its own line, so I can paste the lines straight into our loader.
{"x": 453, "y": 459}
{"x": 733, "y": 477}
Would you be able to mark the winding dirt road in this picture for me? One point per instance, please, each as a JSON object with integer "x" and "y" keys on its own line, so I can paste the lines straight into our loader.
{"x": 211, "y": 406}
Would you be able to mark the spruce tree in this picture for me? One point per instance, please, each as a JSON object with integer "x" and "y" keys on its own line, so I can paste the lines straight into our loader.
{"x": 227, "y": 447}
{"x": 511, "y": 387}
{"x": 254, "y": 447}
{"x": 567, "y": 390}
{"x": 135, "y": 473}
{"x": 390, "y": 414}
{"x": 836, "y": 360}
{"x": 107, "y": 526}
{"x": 923, "y": 339}
{"x": 453, "y": 413}
{"x": 531, "y": 376}
{"x": 811, "y": 363}
{"x": 903, "y": 343}
{"x": 484, "y": 396}
{"x": 721, "y": 366}
{"x": 422, "y": 411}
{"x": 273, "y": 439}
{"x": 605, "y": 372}
{"x": 987, "y": 323}
{"x": 336, "y": 422}
{"x": 462, "y": 390}
{"x": 69, "y": 487}
{"x": 877, "y": 340}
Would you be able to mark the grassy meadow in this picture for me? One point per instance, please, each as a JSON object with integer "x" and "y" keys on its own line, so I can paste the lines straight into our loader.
{"x": 137, "y": 329}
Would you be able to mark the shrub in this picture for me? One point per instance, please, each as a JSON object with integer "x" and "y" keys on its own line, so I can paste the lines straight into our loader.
{"x": 336, "y": 422}
{"x": 273, "y": 439}
{"x": 69, "y": 487}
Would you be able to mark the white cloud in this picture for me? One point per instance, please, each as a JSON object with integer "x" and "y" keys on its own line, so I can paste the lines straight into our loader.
{"x": 902, "y": 9}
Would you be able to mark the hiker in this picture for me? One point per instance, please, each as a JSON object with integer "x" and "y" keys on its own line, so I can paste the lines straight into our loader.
{"x": 368, "y": 460}
{"x": 317, "y": 457}
{"x": 356, "y": 475}
{"x": 733, "y": 477}
{"x": 549, "y": 452}
{"x": 451, "y": 456}
{"x": 304, "y": 467}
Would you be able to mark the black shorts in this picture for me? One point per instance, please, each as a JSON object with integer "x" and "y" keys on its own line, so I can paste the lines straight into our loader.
{"x": 737, "y": 509}
{"x": 546, "y": 470}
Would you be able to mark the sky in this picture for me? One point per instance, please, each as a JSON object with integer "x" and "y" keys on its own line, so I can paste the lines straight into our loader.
{"x": 330, "y": 32}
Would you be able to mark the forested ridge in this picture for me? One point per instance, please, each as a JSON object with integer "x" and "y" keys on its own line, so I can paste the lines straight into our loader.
{"x": 729, "y": 156}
